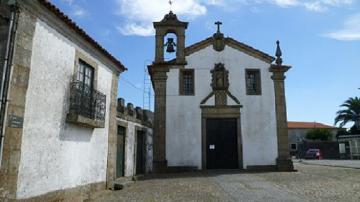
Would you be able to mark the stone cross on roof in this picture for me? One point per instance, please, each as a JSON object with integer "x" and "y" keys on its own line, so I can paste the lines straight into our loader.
{"x": 218, "y": 23}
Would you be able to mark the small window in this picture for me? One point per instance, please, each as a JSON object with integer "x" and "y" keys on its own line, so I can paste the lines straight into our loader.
{"x": 293, "y": 147}
{"x": 86, "y": 74}
{"x": 187, "y": 82}
{"x": 253, "y": 82}
{"x": 121, "y": 131}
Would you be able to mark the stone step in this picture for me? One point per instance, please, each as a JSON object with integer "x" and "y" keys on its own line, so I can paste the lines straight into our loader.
{"x": 121, "y": 183}
{"x": 180, "y": 169}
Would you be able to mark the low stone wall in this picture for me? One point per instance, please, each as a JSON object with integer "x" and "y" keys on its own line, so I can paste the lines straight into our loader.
{"x": 329, "y": 150}
{"x": 135, "y": 120}
{"x": 134, "y": 114}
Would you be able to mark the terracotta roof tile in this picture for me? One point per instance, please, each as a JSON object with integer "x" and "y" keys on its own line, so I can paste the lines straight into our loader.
{"x": 56, "y": 11}
{"x": 308, "y": 125}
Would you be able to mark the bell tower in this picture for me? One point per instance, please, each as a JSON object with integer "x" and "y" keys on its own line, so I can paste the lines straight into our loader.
{"x": 158, "y": 71}
{"x": 170, "y": 24}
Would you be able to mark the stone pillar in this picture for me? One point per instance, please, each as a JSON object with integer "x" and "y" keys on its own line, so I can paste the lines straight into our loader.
{"x": 180, "y": 51}
{"x": 159, "y": 78}
{"x": 112, "y": 133}
{"x": 159, "y": 47}
{"x": 283, "y": 161}
{"x": 19, "y": 80}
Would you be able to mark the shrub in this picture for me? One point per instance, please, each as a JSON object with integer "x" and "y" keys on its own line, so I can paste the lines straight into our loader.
{"x": 318, "y": 134}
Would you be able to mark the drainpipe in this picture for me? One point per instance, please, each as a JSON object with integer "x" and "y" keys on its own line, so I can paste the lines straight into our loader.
{"x": 5, "y": 77}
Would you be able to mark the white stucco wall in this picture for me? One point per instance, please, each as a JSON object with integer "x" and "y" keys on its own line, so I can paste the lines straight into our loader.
{"x": 183, "y": 113}
{"x": 130, "y": 147}
{"x": 54, "y": 154}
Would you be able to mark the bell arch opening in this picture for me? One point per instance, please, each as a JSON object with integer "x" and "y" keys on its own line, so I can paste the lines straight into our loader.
{"x": 170, "y": 46}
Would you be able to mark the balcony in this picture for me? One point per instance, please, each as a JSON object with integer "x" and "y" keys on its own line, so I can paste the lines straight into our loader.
{"x": 87, "y": 106}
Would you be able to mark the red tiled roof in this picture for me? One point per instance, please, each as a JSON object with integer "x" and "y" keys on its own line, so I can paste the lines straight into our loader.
{"x": 305, "y": 125}
{"x": 72, "y": 25}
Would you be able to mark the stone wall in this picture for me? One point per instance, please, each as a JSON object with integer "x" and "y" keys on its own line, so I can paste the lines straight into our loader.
{"x": 16, "y": 107}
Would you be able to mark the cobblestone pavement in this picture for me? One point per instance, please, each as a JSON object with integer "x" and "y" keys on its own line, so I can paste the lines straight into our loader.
{"x": 335, "y": 163}
{"x": 310, "y": 183}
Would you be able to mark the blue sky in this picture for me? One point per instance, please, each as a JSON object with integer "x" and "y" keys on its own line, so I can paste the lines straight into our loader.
{"x": 320, "y": 39}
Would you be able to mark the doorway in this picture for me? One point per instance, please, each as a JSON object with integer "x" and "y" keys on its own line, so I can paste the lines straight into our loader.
{"x": 140, "y": 152}
{"x": 120, "y": 154}
{"x": 221, "y": 143}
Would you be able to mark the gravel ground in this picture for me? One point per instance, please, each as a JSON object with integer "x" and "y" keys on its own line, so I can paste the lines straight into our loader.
{"x": 310, "y": 183}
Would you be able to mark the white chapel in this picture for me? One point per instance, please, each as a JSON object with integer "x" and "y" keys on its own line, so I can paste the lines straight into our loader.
{"x": 219, "y": 104}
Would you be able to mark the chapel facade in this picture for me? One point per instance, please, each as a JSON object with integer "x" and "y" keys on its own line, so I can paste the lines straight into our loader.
{"x": 219, "y": 104}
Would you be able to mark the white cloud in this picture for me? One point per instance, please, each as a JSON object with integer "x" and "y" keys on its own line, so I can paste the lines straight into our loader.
{"x": 139, "y": 14}
{"x": 69, "y": 2}
{"x": 76, "y": 9}
{"x": 79, "y": 12}
{"x": 136, "y": 29}
{"x": 286, "y": 3}
{"x": 315, "y": 6}
{"x": 215, "y": 2}
{"x": 311, "y": 5}
{"x": 350, "y": 30}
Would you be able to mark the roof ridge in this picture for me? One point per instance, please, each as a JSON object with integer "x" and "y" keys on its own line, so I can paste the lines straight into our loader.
{"x": 308, "y": 124}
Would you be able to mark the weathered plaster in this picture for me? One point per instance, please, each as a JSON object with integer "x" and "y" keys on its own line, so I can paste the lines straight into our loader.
{"x": 57, "y": 155}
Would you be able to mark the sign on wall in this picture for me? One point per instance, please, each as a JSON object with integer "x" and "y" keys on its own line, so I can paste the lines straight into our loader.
{"x": 16, "y": 121}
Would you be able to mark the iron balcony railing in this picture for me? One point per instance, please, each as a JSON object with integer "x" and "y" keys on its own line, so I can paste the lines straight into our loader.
{"x": 87, "y": 102}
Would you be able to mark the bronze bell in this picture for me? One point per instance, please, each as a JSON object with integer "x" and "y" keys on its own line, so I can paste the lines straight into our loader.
{"x": 170, "y": 44}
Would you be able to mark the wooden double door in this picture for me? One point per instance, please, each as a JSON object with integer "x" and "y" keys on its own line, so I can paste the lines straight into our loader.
{"x": 222, "y": 150}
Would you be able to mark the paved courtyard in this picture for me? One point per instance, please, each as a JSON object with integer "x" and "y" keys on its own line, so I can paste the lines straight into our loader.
{"x": 310, "y": 183}
{"x": 335, "y": 163}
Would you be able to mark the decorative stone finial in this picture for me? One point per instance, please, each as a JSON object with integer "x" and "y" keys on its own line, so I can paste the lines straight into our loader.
{"x": 278, "y": 54}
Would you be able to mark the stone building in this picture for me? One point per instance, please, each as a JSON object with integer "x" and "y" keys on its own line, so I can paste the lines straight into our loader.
{"x": 219, "y": 103}
{"x": 134, "y": 140}
{"x": 58, "y": 109}
{"x": 297, "y": 133}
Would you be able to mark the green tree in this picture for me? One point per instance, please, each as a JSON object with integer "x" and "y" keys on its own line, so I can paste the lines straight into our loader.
{"x": 349, "y": 113}
{"x": 322, "y": 134}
